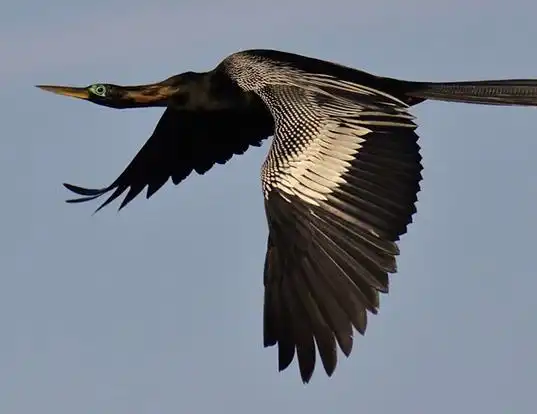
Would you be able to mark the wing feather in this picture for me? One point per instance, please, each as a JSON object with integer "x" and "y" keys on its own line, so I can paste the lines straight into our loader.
{"x": 182, "y": 142}
{"x": 340, "y": 184}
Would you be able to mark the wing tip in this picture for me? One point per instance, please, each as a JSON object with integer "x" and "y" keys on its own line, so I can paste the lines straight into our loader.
{"x": 87, "y": 194}
{"x": 84, "y": 191}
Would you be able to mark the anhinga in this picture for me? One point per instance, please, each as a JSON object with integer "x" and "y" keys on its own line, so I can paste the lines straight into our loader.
{"x": 340, "y": 182}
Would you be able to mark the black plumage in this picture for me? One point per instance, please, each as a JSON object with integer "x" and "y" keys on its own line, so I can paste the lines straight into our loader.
{"x": 340, "y": 182}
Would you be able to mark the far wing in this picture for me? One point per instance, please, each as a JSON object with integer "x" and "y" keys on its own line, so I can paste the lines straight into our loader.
{"x": 181, "y": 143}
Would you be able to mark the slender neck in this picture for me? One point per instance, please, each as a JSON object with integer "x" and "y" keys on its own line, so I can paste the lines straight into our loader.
{"x": 147, "y": 95}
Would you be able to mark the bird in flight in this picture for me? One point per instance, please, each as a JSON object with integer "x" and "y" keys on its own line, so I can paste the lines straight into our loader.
{"x": 340, "y": 181}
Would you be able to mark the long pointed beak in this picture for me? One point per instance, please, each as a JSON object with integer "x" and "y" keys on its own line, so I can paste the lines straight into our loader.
{"x": 80, "y": 93}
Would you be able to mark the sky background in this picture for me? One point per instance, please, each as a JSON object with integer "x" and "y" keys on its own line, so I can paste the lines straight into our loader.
{"x": 158, "y": 309}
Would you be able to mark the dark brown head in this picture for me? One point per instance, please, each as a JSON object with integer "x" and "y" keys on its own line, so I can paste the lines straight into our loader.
{"x": 115, "y": 96}
{"x": 187, "y": 91}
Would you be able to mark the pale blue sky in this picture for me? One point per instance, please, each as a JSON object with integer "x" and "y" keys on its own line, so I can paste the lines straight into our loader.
{"x": 158, "y": 309}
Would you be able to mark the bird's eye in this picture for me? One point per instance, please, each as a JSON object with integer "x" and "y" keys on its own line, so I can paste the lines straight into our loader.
{"x": 99, "y": 90}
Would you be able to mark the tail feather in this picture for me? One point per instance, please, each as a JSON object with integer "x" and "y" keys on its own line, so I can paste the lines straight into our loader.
{"x": 520, "y": 92}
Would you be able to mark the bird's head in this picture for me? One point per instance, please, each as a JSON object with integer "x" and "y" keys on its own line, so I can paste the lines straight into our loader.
{"x": 115, "y": 96}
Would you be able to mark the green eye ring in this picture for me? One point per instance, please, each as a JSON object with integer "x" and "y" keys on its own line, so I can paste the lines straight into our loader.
{"x": 98, "y": 89}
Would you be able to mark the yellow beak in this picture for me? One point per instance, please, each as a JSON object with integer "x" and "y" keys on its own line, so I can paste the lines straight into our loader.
{"x": 80, "y": 93}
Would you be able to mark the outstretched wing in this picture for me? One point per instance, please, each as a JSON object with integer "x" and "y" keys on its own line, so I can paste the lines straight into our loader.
{"x": 181, "y": 143}
{"x": 340, "y": 184}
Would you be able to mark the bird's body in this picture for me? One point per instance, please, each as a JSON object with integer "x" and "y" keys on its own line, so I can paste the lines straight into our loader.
{"x": 340, "y": 181}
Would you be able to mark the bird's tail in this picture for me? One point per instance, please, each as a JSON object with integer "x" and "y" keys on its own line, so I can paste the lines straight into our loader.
{"x": 522, "y": 92}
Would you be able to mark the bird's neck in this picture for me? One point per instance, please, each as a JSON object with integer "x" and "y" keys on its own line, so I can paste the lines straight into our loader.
{"x": 148, "y": 96}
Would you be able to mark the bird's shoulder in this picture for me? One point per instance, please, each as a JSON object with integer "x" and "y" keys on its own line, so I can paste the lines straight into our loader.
{"x": 274, "y": 59}
{"x": 261, "y": 69}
